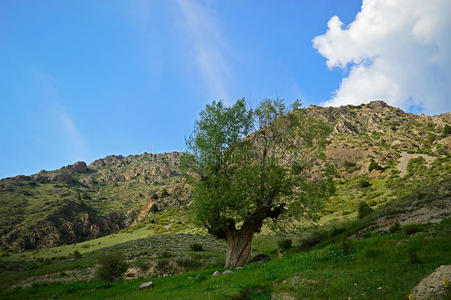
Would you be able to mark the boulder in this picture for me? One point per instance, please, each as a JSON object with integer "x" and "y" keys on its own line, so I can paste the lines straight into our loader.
{"x": 146, "y": 285}
{"x": 216, "y": 273}
{"x": 227, "y": 272}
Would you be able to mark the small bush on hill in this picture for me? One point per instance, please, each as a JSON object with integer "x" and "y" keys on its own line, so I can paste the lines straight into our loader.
{"x": 312, "y": 239}
{"x": 196, "y": 247}
{"x": 112, "y": 267}
{"x": 373, "y": 166}
{"x": 364, "y": 183}
{"x": 348, "y": 164}
{"x": 447, "y": 129}
{"x": 411, "y": 228}
{"x": 285, "y": 244}
{"x": 164, "y": 193}
{"x": 154, "y": 208}
{"x": 154, "y": 196}
{"x": 395, "y": 228}
{"x": 412, "y": 253}
{"x": 337, "y": 230}
{"x": 364, "y": 210}
{"x": 77, "y": 254}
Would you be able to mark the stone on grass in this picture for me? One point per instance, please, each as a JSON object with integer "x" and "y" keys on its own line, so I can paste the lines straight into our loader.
{"x": 146, "y": 285}
{"x": 216, "y": 273}
{"x": 260, "y": 258}
{"x": 227, "y": 272}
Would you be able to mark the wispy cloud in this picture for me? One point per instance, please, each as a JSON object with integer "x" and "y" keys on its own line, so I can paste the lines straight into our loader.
{"x": 209, "y": 46}
{"x": 72, "y": 136}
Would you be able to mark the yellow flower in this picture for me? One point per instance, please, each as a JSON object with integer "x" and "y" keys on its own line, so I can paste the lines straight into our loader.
{"x": 410, "y": 297}
{"x": 446, "y": 282}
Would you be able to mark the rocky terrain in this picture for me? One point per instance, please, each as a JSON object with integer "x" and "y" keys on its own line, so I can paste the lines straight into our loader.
{"x": 374, "y": 142}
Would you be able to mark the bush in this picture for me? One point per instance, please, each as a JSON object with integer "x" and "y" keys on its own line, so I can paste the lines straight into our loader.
{"x": 164, "y": 193}
{"x": 364, "y": 210}
{"x": 337, "y": 230}
{"x": 364, "y": 183}
{"x": 196, "y": 247}
{"x": 312, "y": 239}
{"x": 154, "y": 208}
{"x": 412, "y": 253}
{"x": 411, "y": 228}
{"x": 373, "y": 166}
{"x": 77, "y": 254}
{"x": 447, "y": 129}
{"x": 112, "y": 267}
{"x": 285, "y": 244}
{"x": 165, "y": 254}
{"x": 345, "y": 246}
{"x": 348, "y": 164}
{"x": 395, "y": 228}
{"x": 154, "y": 196}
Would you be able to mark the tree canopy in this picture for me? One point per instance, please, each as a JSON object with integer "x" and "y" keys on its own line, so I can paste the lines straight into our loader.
{"x": 254, "y": 164}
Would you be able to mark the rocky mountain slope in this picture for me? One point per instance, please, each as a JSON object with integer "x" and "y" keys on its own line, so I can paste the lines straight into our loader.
{"x": 374, "y": 142}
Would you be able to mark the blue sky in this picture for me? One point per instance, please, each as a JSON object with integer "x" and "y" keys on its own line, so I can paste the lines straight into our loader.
{"x": 80, "y": 80}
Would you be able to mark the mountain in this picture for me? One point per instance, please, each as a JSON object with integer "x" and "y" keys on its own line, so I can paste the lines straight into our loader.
{"x": 392, "y": 150}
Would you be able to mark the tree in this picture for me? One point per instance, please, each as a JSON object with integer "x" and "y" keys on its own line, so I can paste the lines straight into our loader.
{"x": 254, "y": 165}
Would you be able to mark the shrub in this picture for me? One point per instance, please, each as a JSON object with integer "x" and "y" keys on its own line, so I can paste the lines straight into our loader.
{"x": 364, "y": 183}
{"x": 77, "y": 254}
{"x": 154, "y": 208}
{"x": 348, "y": 164}
{"x": 373, "y": 166}
{"x": 187, "y": 262}
{"x": 364, "y": 210}
{"x": 312, "y": 239}
{"x": 112, "y": 267}
{"x": 337, "y": 230}
{"x": 345, "y": 246}
{"x": 447, "y": 129}
{"x": 154, "y": 196}
{"x": 372, "y": 253}
{"x": 411, "y": 228}
{"x": 412, "y": 253}
{"x": 285, "y": 244}
{"x": 395, "y": 228}
{"x": 196, "y": 247}
{"x": 164, "y": 193}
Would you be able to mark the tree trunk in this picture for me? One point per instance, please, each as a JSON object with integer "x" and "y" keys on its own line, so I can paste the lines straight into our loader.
{"x": 238, "y": 248}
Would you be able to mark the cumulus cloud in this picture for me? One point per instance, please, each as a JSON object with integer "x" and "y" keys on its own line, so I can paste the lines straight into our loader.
{"x": 396, "y": 51}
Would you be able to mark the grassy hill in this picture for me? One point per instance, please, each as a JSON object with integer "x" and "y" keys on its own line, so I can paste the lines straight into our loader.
{"x": 56, "y": 225}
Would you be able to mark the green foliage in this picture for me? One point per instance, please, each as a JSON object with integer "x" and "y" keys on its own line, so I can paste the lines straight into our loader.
{"x": 364, "y": 210}
{"x": 112, "y": 267}
{"x": 312, "y": 239}
{"x": 447, "y": 129}
{"x": 154, "y": 208}
{"x": 373, "y": 166}
{"x": 364, "y": 183}
{"x": 285, "y": 244}
{"x": 196, "y": 247}
{"x": 154, "y": 196}
{"x": 244, "y": 181}
{"x": 77, "y": 254}
{"x": 348, "y": 164}
{"x": 396, "y": 227}
{"x": 412, "y": 254}
{"x": 164, "y": 193}
{"x": 416, "y": 165}
{"x": 411, "y": 228}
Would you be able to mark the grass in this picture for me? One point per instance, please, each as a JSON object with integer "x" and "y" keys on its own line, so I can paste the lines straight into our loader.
{"x": 368, "y": 270}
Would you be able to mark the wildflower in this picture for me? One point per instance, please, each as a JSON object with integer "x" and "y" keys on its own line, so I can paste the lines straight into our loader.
{"x": 446, "y": 282}
{"x": 410, "y": 297}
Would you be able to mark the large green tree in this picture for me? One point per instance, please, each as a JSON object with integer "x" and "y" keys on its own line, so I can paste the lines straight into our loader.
{"x": 255, "y": 165}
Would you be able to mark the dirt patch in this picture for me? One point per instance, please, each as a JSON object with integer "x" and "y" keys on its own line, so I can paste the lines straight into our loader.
{"x": 433, "y": 286}
{"x": 404, "y": 160}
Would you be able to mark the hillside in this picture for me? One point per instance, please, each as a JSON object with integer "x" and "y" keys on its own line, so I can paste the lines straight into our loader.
{"x": 394, "y": 151}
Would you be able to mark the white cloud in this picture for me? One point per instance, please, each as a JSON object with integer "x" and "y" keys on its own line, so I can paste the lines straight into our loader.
{"x": 397, "y": 51}
{"x": 209, "y": 46}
